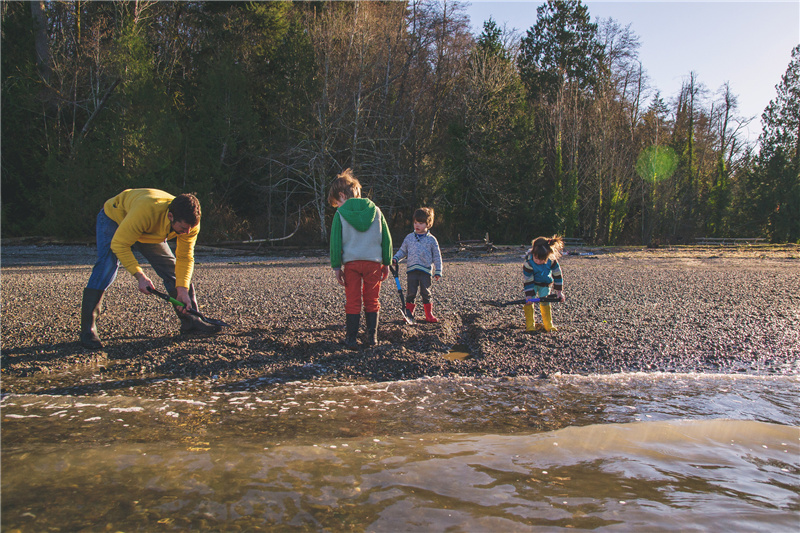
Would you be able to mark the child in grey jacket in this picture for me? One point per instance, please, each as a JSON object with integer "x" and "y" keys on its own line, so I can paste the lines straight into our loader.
{"x": 424, "y": 261}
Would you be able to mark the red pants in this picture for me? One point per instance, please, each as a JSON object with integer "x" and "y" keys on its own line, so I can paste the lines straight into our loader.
{"x": 357, "y": 273}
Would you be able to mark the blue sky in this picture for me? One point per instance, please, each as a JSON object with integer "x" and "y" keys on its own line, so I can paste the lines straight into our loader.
{"x": 747, "y": 44}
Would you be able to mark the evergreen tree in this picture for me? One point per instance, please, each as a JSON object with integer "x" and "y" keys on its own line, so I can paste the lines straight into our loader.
{"x": 656, "y": 191}
{"x": 560, "y": 48}
{"x": 558, "y": 62}
{"x": 778, "y": 164}
{"x": 683, "y": 201}
{"x": 24, "y": 154}
{"x": 494, "y": 174}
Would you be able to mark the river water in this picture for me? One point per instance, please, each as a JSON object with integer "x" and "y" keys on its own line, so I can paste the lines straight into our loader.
{"x": 631, "y": 452}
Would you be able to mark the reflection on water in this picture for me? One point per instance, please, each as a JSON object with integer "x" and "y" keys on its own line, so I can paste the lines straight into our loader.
{"x": 628, "y": 452}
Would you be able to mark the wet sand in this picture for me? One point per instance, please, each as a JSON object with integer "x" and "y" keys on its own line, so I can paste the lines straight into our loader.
{"x": 687, "y": 309}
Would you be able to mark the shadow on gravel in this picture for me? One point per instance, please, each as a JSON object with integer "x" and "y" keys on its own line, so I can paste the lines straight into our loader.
{"x": 14, "y": 360}
{"x": 402, "y": 353}
{"x": 40, "y": 353}
{"x": 241, "y": 360}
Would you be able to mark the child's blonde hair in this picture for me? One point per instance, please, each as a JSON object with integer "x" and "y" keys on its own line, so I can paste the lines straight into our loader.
{"x": 345, "y": 183}
{"x": 544, "y": 248}
{"x": 424, "y": 214}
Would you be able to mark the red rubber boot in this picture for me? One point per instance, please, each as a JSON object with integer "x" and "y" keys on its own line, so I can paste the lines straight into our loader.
{"x": 429, "y": 314}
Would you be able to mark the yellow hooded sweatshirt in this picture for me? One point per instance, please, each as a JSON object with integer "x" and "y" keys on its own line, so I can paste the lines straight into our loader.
{"x": 142, "y": 216}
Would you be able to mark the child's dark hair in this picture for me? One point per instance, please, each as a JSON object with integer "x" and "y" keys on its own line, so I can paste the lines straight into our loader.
{"x": 345, "y": 183}
{"x": 424, "y": 214}
{"x": 544, "y": 248}
{"x": 185, "y": 208}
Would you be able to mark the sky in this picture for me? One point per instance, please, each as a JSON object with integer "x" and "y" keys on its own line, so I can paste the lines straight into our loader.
{"x": 746, "y": 43}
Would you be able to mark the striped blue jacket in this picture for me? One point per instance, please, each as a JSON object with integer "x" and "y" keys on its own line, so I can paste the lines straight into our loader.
{"x": 423, "y": 253}
{"x": 544, "y": 275}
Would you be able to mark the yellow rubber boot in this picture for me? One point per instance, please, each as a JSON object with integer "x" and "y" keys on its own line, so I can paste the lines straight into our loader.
{"x": 530, "y": 321}
{"x": 547, "y": 318}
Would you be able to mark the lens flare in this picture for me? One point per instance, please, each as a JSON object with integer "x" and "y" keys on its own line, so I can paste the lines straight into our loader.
{"x": 656, "y": 163}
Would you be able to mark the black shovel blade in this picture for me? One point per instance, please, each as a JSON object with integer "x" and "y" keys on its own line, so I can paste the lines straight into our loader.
{"x": 212, "y": 321}
{"x": 497, "y": 303}
{"x": 173, "y": 301}
{"x": 550, "y": 298}
{"x": 403, "y": 310}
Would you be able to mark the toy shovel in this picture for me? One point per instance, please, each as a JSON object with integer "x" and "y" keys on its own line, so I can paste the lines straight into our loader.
{"x": 406, "y": 315}
{"x": 549, "y": 299}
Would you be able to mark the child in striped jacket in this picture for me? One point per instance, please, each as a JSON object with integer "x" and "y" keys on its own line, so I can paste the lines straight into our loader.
{"x": 424, "y": 262}
{"x": 542, "y": 272}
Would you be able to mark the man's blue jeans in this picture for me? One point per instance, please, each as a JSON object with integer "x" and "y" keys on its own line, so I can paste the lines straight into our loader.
{"x": 105, "y": 269}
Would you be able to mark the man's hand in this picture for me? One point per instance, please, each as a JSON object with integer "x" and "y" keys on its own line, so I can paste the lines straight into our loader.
{"x": 183, "y": 297}
{"x": 339, "y": 273}
{"x": 437, "y": 277}
{"x": 144, "y": 282}
{"x": 384, "y": 272}
{"x": 561, "y": 296}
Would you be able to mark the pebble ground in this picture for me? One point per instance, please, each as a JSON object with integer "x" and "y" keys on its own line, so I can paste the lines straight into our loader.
{"x": 688, "y": 309}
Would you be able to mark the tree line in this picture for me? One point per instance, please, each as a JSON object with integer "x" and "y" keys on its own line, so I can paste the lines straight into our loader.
{"x": 256, "y": 106}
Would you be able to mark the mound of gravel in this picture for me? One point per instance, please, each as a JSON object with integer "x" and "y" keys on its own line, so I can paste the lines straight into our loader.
{"x": 690, "y": 310}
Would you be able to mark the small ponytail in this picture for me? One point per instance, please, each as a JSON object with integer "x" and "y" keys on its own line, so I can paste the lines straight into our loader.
{"x": 544, "y": 248}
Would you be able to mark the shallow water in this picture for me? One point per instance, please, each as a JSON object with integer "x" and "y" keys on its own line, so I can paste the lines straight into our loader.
{"x": 609, "y": 453}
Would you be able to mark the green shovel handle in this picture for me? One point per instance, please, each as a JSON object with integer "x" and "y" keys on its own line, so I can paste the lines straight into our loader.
{"x": 166, "y": 297}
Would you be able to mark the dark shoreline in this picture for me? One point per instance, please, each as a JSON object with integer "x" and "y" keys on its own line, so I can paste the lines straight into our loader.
{"x": 690, "y": 309}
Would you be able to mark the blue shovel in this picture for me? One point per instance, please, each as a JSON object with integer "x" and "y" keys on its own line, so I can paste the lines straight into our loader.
{"x": 406, "y": 315}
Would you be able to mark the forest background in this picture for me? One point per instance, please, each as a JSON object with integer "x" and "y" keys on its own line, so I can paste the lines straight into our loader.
{"x": 256, "y": 106}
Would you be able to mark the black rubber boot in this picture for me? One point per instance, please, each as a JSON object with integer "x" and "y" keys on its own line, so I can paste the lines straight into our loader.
{"x": 191, "y": 323}
{"x": 372, "y": 328}
{"x": 91, "y": 307}
{"x": 195, "y": 324}
{"x": 351, "y": 337}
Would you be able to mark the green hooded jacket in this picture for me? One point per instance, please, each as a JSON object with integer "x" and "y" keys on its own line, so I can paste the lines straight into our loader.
{"x": 359, "y": 232}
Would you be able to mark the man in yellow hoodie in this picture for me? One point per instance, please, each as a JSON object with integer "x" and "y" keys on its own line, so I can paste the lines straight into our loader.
{"x": 144, "y": 220}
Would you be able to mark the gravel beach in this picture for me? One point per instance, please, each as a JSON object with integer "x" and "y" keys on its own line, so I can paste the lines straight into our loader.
{"x": 686, "y": 309}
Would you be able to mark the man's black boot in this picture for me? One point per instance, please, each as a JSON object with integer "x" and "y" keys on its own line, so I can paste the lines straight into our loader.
{"x": 191, "y": 323}
{"x": 91, "y": 307}
{"x": 195, "y": 324}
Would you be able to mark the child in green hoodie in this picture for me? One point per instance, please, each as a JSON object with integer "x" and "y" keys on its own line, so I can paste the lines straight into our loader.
{"x": 361, "y": 251}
